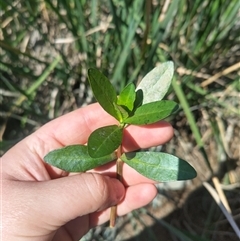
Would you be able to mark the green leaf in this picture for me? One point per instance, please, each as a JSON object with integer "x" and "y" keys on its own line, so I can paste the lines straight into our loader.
{"x": 159, "y": 166}
{"x": 75, "y": 158}
{"x": 104, "y": 92}
{"x": 124, "y": 111}
{"x": 104, "y": 140}
{"x": 157, "y": 82}
{"x": 127, "y": 97}
{"x": 152, "y": 112}
{"x": 139, "y": 99}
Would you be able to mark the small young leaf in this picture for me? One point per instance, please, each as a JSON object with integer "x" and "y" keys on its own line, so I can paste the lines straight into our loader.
{"x": 152, "y": 112}
{"x": 159, "y": 166}
{"x": 157, "y": 82}
{"x": 104, "y": 92}
{"x": 127, "y": 97}
{"x": 124, "y": 111}
{"x": 75, "y": 158}
{"x": 139, "y": 99}
{"x": 104, "y": 140}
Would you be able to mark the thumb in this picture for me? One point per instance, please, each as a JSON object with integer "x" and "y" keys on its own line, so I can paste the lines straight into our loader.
{"x": 54, "y": 203}
{"x": 67, "y": 198}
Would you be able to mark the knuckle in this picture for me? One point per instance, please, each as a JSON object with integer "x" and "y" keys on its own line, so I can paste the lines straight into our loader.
{"x": 101, "y": 189}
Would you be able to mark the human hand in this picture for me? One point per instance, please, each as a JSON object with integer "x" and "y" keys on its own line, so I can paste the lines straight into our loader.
{"x": 41, "y": 202}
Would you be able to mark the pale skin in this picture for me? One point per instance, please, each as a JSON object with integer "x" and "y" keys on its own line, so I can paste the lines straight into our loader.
{"x": 43, "y": 203}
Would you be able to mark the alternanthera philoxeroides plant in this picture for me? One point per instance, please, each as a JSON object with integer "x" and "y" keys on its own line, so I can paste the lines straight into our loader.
{"x": 133, "y": 106}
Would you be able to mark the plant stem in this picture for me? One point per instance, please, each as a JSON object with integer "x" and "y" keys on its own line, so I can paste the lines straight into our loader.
{"x": 113, "y": 216}
{"x": 119, "y": 165}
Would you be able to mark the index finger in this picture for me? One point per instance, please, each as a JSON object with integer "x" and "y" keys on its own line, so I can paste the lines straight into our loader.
{"x": 75, "y": 128}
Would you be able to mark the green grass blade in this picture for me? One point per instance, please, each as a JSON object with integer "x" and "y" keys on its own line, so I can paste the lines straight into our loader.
{"x": 192, "y": 123}
{"x": 39, "y": 81}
